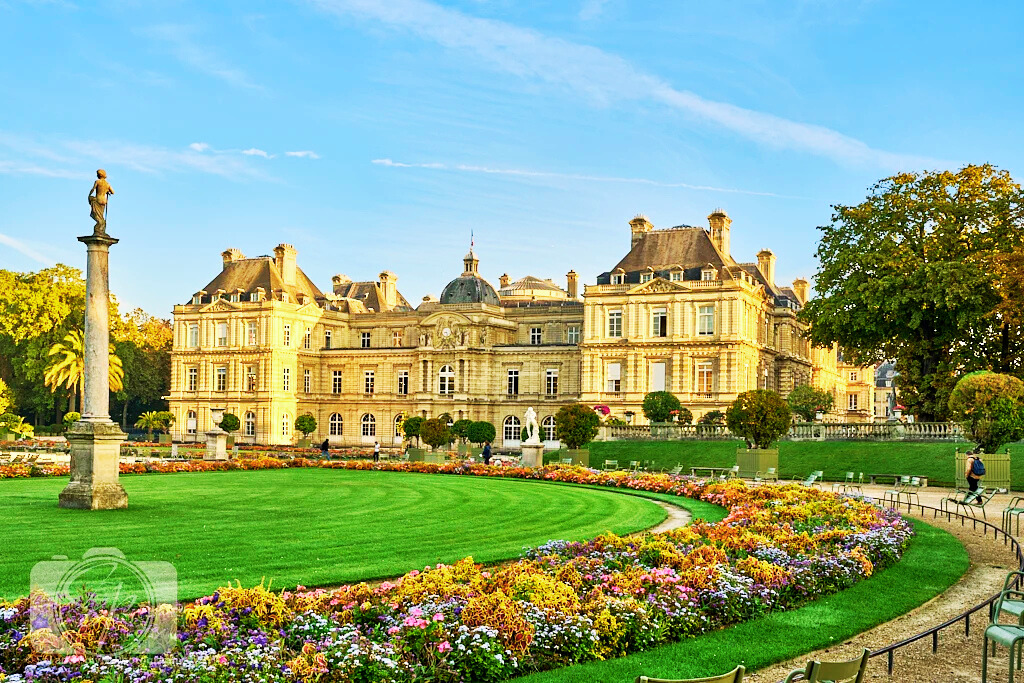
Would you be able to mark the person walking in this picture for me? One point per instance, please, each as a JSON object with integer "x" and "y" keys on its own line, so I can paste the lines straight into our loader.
{"x": 975, "y": 471}
{"x": 325, "y": 449}
{"x": 487, "y": 452}
{"x": 376, "y": 451}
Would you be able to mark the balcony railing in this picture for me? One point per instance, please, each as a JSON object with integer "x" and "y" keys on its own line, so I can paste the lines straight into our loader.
{"x": 832, "y": 431}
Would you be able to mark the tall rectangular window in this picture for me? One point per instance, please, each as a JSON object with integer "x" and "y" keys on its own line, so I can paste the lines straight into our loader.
{"x": 368, "y": 381}
{"x": 853, "y": 376}
{"x": 659, "y": 322}
{"x": 535, "y": 333}
{"x": 327, "y": 339}
{"x": 307, "y": 381}
{"x": 286, "y": 379}
{"x": 573, "y": 334}
{"x": 364, "y": 340}
{"x": 551, "y": 382}
{"x": 613, "y": 378}
{"x": 646, "y": 277}
{"x": 287, "y": 335}
{"x": 193, "y": 336}
{"x": 222, "y": 334}
{"x": 221, "y": 379}
{"x": 851, "y": 400}
{"x": 254, "y": 296}
{"x": 250, "y": 333}
{"x": 618, "y": 279}
{"x": 250, "y": 378}
{"x": 250, "y": 424}
{"x": 705, "y": 377}
{"x": 658, "y": 376}
{"x": 705, "y": 320}
{"x": 307, "y": 338}
{"x": 403, "y": 382}
{"x": 396, "y": 338}
{"x": 193, "y": 379}
{"x": 615, "y": 324}
{"x": 336, "y": 382}
{"x": 513, "y": 382}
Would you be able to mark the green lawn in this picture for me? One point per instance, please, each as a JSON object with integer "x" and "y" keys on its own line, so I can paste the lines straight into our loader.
{"x": 305, "y": 526}
{"x": 797, "y": 459}
{"x": 934, "y": 561}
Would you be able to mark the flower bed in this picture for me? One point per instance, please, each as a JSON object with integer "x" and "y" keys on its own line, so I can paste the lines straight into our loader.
{"x": 562, "y": 603}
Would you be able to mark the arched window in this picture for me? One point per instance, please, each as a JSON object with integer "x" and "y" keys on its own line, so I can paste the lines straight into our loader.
{"x": 548, "y": 425}
{"x": 286, "y": 424}
{"x": 398, "y": 425}
{"x": 511, "y": 430}
{"x": 336, "y": 424}
{"x": 190, "y": 422}
{"x": 250, "y": 424}
{"x": 446, "y": 380}
{"x": 369, "y": 425}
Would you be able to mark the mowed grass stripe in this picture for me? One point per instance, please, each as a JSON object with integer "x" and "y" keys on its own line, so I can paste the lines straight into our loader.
{"x": 305, "y": 526}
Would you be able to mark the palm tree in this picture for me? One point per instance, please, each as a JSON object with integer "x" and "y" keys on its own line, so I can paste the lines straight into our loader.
{"x": 149, "y": 421}
{"x": 68, "y": 366}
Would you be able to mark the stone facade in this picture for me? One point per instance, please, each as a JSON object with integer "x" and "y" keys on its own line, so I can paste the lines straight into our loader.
{"x": 263, "y": 342}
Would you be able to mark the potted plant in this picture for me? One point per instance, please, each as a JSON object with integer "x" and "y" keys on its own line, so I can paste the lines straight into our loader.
{"x": 576, "y": 425}
{"x": 478, "y": 433}
{"x": 990, "y": 406}
{"x": 230, "y": 423}
{"x": 434, "y": 432}
{"x": 306, "y": 425}
{"x": 411, "y": 428}
{"x": 760, "y": 417}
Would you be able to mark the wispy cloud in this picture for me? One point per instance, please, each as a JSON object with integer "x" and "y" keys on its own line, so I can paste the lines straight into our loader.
{"x": 253, "y": 152}
{"x": 606, "y": 78}
{"x": 528, "y": 173}
{"x": 23, "y": 248}
{"x": 28, "y": 168}
{"x": 199, "y": 146}
{"x": 303, "y": 154}
{"x": 179, "y": 41}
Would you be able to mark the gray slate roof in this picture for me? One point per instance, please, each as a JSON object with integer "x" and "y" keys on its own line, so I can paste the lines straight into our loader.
{"x": 469, "y": 289}
{"x": 250, "y": 273}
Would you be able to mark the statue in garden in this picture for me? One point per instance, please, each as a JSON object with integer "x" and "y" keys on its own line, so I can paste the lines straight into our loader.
{"x": 532, "y": 430}
{"x": 101, "y": 189}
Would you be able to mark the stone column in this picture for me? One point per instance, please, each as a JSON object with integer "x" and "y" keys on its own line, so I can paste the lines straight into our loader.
{"x": 95, "y": 440}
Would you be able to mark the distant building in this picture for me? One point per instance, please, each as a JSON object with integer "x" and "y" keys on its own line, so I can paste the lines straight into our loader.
{"x": 884, "y": 390}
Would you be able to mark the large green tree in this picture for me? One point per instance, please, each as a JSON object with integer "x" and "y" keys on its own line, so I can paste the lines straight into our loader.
{"x": 658, "y": 405}
{"x": 806, "y": 401}
{"x": 908, "y": 274}
{"x": 144, "y": 345}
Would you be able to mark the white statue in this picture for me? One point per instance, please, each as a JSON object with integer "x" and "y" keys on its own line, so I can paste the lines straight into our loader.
{"x": 532, "y": 431}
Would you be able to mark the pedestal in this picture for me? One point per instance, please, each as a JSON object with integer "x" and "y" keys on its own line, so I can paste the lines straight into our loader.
{"x": 533, "y": 455}
{"x": 216, "y": 445}
{"x": 95, "y": 453}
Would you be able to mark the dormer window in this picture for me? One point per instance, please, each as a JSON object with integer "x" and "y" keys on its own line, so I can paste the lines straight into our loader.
{"x": 618, "y": 277}
{"x": 234, "y": 298}
{"x": 676, "y": 275}
{"x": 197, "y": 299}
{"x": 253, "y": 296}
{"x": 284, "y": 297}
{"x": 646, "y": 277}
{"x": 708, "y": 274}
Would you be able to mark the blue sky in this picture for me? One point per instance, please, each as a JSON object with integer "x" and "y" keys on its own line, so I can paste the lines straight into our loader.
{"x": 377, "y": 134}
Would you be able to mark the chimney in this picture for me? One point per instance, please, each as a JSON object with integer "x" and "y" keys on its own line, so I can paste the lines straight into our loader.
{"x": 801, "y": 288}
{"x": 284, "y": 259}
{"x": 504, "y": 280}
{"x": 719, "y": 221}
{"x": 389, "y": 287}
{"x": 766, "y": 264}
{"x": 231, "y": 255}
{"x": 341, "y": 283}
{"x": 639, "y": 227}
{"x": 572, "y": 283}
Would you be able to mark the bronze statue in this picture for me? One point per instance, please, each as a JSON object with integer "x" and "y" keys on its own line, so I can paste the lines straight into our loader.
{"x": 98, "y": 201}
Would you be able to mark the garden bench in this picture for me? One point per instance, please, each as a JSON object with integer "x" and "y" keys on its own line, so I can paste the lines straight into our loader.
{"x": 610, "y": 465}
{"x": 734, "y": 676}
{"x": 963, "y": 498}
{"x": 1008, "y": 635}
{"x": 1012, "y": 512}
{"x": 851, "y": 671}
{"x": 768, "y": 475}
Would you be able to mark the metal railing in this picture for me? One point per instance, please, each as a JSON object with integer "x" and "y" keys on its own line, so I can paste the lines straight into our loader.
{"x": 823, "y": 431}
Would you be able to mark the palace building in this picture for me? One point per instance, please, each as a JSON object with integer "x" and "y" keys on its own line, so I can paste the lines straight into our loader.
{"x": 677, "y": 313}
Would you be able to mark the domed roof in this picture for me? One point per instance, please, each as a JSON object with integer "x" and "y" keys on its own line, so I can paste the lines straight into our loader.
{"x": 469, "y": 289}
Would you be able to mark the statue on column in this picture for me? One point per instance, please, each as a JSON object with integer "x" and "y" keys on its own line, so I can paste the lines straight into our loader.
{"x": 101, "y": 189}
{"x": 532, "y": 430}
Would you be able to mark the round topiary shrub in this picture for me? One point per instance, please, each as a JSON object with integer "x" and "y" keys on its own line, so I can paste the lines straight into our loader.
{"x": 231, "y": 423}
{"x": 460, "y": 429}
{"x": 304, "y": 424}
{"x": 411, "y": 427}
{"x": 991, "y": 408}
{"x": 576, "y": 425}
{"x": 658, "y": 406}
{"x": 479, "y": 432}
{"x": 435, "y": 432}
{"x": 759, "y": 416}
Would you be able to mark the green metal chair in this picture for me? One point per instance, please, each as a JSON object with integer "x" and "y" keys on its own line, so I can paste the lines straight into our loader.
{"x": 1012, "y": 513}
{"x": 892, "y": 496}
{"x": 812, "y": 479}
{"x": 851, "y": 671}
{"x": 611, "y": 465}
{"x": 968, "y": 502}
{"x": 1012, "y": 598}
{"x": 841, "y": 486}
{"x": 734, "y": 676}
{"x": 634, "y": 465}
{"x": 768, "y": 475}
{"x": 1008, "y": 635}
{"x": 678, "y": 469}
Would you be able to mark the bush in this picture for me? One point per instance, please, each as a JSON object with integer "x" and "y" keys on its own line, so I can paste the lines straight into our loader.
{"x": 460, "y": 429}
{"x": 683, "y": 416}
{"x": 411, "y": 427}
{"x": 70, "y": 419}
{"x": 989, "y": 405}
{"x": 479, "y": 432}
{"x": 576, "y": 425}
{"x": 231, "y": 423}
{"x": 759, "y": 416}
{"x": 806, "y": 402}
{"x": 658, "y": 405}
{"x": 306, "y": 424}
{"x": 712, "y": 417}
{"x": 435, "y": 432}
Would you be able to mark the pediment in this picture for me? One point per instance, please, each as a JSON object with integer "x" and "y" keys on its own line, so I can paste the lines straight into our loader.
{"x": 220, "y": 307}
{"x": 657, "y": 285}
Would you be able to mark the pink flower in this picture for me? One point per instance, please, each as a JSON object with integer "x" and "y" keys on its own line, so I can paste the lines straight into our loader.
{"x": 222, "y": 659}
{"x": 77, "y": 659}
{"x": 438, "y": 617}
{"x": 444, "y": 647}
{"x": 416, "y": 612}
{"x": 393, "y": 630}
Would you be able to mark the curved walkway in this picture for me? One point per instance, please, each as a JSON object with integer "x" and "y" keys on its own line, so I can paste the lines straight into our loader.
{"x": 959, "y": 658}
{"x": 677, "y": 517}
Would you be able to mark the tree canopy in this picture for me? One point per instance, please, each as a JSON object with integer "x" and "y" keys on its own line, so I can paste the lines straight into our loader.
{"x": 481, "y": 431}
{"x": 759, "y": 416}
{"x": 576, "y": 425}
{"x": 435, "y": 432}
{"x": 990, "y": 407}
{"x": 806, "y": 401}
{"x": 658, "y": 406}
{"x": 305, "y": 424}
{"x": 909, "y": 274}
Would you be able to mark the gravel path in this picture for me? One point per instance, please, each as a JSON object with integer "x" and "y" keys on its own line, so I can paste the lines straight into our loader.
{"x": 677, "y": 517}
{"x": 959, "y": 658}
